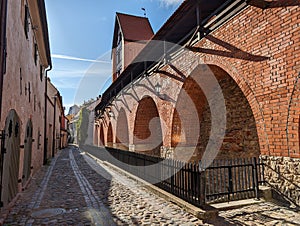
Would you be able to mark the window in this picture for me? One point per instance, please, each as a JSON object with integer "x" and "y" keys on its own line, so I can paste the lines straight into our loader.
{"x": 41, "y": 72}
{"x": 26, "y": 21}
{"x": 35, "y": 53}
{"x": 21, "y": 81}
{"x": 119, "y": 52}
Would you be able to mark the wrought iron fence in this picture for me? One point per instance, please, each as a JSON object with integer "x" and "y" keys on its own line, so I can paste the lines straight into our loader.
{"x": 223, "y": 180}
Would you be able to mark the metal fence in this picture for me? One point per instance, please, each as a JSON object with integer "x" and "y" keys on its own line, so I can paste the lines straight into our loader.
{"x": 223, "y": 180}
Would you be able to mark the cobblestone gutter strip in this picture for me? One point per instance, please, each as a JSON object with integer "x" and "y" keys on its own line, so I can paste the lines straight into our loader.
{"x": 199, "y": 213}
{"x": 38, "y": 195}
{"x": 99, "y": 213}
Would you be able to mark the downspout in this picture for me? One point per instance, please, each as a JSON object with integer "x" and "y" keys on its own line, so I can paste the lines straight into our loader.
{"x": 3, "y": 48}
{"x": 54, "y": 127}
{"x": 45, "y": 116}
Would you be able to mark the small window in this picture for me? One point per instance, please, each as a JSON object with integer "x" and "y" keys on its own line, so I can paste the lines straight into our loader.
{"x": 21, "y": 78}
{"x": 35, "y": 53}
{"x": 26, "y": 21}
{"x": 41, "y": 72}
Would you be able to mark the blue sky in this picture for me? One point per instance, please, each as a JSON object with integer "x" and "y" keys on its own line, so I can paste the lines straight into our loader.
{"x": 80, "y": 40}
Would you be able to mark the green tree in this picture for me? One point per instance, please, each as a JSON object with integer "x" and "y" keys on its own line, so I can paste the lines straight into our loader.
{"x": 82, "y": 125}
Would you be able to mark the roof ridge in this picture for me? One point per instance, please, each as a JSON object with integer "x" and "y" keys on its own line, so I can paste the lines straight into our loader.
{"x": 125, "y": 14}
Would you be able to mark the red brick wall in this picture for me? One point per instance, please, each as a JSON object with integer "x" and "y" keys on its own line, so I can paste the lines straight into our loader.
{"x": 259, "y": 51}
{"x": 147, "y": 128}
{"x": 122, "y": 137}
{"x": 109, "y": 139}
{"x": 240, "y": 138}
{"x": 101, "y": 136}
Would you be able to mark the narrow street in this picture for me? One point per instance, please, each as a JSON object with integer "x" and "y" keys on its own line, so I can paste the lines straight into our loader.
{"x": 76, "y": 190}
{"x": 71, "y": 193}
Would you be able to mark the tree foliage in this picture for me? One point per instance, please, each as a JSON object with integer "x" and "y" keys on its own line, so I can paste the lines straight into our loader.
{"x": 82, "y": 125}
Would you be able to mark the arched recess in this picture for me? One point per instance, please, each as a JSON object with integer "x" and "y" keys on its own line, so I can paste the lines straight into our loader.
{"x": 147, "y": 128}
{"x": 11, "y": 159}
{"x": 101, "y": 136}
{"x": 192, "y": 118}
{"x": 27, "y": 152}
{"x": 109, "y": 136}
{"x": 96, "y": 134}
{"x": 122, "y": 136}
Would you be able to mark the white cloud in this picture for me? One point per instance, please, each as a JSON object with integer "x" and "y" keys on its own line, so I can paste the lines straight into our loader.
{"x": 168, "y": 3}
{"x": 65, "y": 57}
{"x": 79, "y": 73}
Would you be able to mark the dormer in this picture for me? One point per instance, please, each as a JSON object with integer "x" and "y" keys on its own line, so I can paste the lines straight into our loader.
{"x": 131, "y": 33}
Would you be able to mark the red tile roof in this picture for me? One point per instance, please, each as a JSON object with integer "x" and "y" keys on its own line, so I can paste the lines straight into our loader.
{"x": 135, "y": 28}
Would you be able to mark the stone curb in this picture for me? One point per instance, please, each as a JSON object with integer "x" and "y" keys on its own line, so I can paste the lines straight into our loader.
{"x": 207, "y": 213}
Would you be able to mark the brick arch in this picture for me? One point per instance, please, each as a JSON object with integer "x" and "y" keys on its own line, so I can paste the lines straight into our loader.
{"x": 249, "y": 93}
{"x": 109, "y": 140}
{"x": 186, "y": 118}
{"x": 122, "y": 134}
{"x": 96, "y": 134}
{"x": 101, "y": 135}
{"x": 147, "y": 134}
{"x": 192, "y": 118}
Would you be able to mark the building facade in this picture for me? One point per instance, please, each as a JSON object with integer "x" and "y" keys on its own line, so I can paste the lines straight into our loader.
{"x": 25, "y": 60}
{"x": 56, "y": 124}
{"x": 216, "y": 81}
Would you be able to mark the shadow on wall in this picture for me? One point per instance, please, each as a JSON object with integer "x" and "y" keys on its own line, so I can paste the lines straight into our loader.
{"x": 264, "y": 4}
{"x": 241, "y": 139}
{"x": 233, "y": 52}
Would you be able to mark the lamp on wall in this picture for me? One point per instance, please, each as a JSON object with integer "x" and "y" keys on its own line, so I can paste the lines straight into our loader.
{"x": 158, "y": 88}
{"x": 111, "y": 114}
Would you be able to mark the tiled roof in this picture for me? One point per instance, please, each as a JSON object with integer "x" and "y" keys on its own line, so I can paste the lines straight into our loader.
{"x": 135, "y": 28}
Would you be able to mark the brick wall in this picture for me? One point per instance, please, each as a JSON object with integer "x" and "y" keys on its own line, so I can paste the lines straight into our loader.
{"x": 241, "y": 138}
{"x": 258, "y": 51}
{"x": 147, "y": 128}
{"x": 122, "y": 138}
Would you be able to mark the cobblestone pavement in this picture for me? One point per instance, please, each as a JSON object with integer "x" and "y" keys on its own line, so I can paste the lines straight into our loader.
{"x": 266, "y": 213}
{"x": 69, "y": 192}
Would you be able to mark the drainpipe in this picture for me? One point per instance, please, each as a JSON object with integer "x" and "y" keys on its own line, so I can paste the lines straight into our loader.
{"x": 45, "y": 116}
{"x": 54, "y": 127}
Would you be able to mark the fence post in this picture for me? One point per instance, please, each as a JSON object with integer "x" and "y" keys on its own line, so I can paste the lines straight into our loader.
{"x": 230, "y": 187}
{"x": 255, "y": 178}
{"x": 172, "y": 175}
{"x": 202, "y": 186}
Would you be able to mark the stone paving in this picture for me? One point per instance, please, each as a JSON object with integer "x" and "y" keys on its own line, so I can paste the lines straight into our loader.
{"x": 77, "y": 190}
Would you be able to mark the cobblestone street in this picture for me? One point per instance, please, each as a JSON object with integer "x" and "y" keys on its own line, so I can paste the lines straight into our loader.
{"x": 76, "y": 190}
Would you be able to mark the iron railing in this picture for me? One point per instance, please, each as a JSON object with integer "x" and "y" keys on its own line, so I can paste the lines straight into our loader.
{"x": 223, "y": 180}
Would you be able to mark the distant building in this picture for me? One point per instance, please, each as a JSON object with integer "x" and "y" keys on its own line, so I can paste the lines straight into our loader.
{"x": 56, "y": 126}
{"x": 73, "y": 110}
{"x": 64, "y": 132}
{"x": 73, "y": 116}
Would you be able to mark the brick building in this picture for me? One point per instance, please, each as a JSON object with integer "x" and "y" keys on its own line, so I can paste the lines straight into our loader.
{"x": 24, "y": 59}
{"x": 56, "y": 125}
{"x": 218, "y": 80}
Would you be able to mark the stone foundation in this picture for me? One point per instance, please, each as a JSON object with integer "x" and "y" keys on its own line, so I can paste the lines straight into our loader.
{"x": 167, "y": 152}
{"x": 283, "y": 174}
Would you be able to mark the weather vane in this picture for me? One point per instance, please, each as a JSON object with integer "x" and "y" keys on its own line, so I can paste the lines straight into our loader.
{"x": 144, "y": 11}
